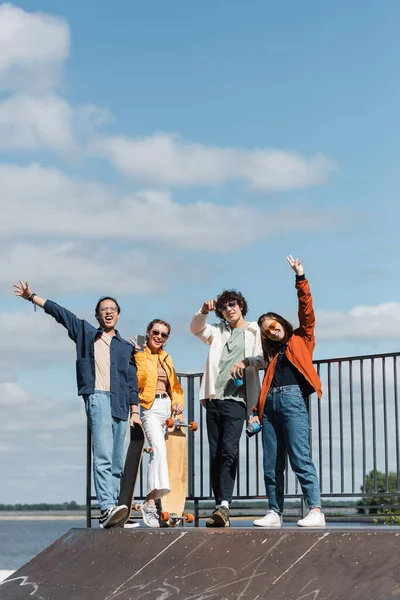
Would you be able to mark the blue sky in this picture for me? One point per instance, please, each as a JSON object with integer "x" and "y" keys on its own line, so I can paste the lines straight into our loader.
{"x": 164, "y": 151}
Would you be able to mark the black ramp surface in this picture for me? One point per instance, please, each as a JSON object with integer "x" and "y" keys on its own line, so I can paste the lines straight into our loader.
{"x": 197, "y": 564}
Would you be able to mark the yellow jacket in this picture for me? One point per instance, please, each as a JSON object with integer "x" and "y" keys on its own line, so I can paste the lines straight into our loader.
{"x": 146, "y": 364}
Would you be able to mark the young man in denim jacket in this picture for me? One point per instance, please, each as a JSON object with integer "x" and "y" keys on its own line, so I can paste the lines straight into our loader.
{"x": 106, "y": 378}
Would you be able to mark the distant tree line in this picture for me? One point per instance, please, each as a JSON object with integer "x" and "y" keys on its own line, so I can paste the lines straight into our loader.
{"x": 385, "y": 508}
{"x": 66, "y": 506}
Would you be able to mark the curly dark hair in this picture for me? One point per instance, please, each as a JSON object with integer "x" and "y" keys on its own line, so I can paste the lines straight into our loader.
{"x": 270, "y": 348}
{"x": 228, "y": 296}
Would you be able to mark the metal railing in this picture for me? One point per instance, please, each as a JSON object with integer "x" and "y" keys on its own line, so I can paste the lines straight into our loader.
{"x": 354, "y": 437}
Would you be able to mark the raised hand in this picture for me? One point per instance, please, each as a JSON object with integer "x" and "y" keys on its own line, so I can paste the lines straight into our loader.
{"x": 208, "y": 306}
{"x": 295, "y": 264}
{"x": 23, "y": 290}
{"x": 134, "y": 343}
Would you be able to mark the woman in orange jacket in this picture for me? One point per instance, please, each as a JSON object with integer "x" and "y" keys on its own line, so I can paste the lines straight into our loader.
{"x": 289, "y": 377}
{"x": 160, "y": 396}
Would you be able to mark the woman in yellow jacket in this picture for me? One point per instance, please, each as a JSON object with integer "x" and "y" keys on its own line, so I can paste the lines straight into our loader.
{"x": 160, "y": 395}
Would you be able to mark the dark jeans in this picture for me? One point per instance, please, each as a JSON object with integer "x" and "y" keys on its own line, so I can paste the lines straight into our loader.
{"x": 225, "y": 420}
{"x": 285, "y": 427}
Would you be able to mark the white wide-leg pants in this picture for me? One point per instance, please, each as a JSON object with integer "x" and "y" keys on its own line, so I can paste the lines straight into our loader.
{"x": 153, "y": 420}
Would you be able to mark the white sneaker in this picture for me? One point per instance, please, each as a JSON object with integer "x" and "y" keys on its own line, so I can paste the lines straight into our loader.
{"x": 271, "y": 519}
{"x": 150, "y": 515}
{"x": 315, "y": 518}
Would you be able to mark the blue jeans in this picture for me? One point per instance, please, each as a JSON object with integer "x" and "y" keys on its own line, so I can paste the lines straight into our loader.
{"x": 108, "y": 436}
{"x": 285, "y": 427}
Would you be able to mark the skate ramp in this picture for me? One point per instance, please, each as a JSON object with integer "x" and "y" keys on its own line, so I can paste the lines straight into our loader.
{"x": 198, "y": 564}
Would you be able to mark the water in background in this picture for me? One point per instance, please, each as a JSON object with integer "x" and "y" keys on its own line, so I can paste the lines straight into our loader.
{"x": 21, "y": 540}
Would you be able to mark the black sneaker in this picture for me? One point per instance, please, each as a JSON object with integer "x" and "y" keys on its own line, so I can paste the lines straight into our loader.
{"x": 220, "y": 518}
{"x": 112, "y": 516}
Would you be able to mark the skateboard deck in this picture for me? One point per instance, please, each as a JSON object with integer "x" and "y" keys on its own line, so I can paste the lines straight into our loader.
{"x": 173, "y": 504}
{"x": 131, "y": 469}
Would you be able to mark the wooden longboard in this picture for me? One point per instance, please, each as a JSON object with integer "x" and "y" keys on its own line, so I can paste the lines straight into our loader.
{"x": 131, "y": 469}
{"x": 174, "y": 502}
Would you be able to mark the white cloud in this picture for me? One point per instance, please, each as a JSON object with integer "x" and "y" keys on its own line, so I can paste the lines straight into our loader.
{"x": 32, "y": 123}
{"x": 23, "y": 333}
{"x": 78, "y": 268}
{"x": 46, "y": 426}
{"x": 360, "y": 323}
{"x": 54, "y": 205}
{"x": 165, "y": 159}
{"x": 33, "y": 47}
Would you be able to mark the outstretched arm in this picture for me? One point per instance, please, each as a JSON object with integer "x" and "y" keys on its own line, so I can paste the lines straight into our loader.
{"x": 60, "y": 314}
{"x": 306, "y": 310}
{"x": 199, "y": 326}
{"x": 24, "y": 291}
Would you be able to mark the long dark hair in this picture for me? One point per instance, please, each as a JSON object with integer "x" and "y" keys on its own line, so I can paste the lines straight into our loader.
{"x": 270, "y": 347}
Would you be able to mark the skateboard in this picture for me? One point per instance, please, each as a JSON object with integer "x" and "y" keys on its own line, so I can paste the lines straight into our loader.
{"x": 173, "y": 504}
{"x": 131, "y": 469}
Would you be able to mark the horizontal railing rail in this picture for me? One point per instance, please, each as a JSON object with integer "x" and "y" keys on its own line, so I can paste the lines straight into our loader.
{"x": 354, "y": 438}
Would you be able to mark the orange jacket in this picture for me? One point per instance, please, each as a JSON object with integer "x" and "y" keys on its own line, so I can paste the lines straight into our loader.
{"x": 146, "y": 364}
{"x": 299, "y": 349}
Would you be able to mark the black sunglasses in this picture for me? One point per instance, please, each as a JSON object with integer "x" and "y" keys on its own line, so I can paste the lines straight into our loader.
{"x": 158, "y": 333}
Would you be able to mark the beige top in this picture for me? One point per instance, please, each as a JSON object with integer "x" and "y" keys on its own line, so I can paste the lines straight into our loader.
{"x": 102, "y": 345}
{"x": 162, "y": 380}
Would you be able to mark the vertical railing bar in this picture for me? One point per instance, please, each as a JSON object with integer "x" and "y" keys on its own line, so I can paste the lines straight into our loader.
{"x": 364, "y": 450}
{"x": 191, "y": 466}
{"x": 320, "y": 438}
{"x": 247, "y": 467}
{"x": 396, "y": 416}
{"x": 341, "y": 427}
{"x": 373, "y": 421}
{"x": 201, "y": 451}
{"x": 238, "y": 472}
{"x": 330, "y": 429}
{"x": 352, "y": 427}
{"x": 257, "y": 465}
{"x": 385, "y": 424}
{"x": 286, "y": 474}
{"x": 88, "y": 476}
{"x": 141, "y": 479}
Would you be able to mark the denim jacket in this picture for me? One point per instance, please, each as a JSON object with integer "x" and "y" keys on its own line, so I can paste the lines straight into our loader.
{"x": 124, "y": 390}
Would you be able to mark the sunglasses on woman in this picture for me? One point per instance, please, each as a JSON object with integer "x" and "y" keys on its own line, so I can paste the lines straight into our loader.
{"x": 156, "y": 333}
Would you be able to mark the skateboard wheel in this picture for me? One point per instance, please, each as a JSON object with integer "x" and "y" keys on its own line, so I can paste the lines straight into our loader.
{"x": 149, "y": 450}
{"x": 164, "y": 516}
{"x": 170, "y": 422}
{"x": 193, "y": 426}
{"x": 189, "y": 518}
{"x": 136, "y": 507}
